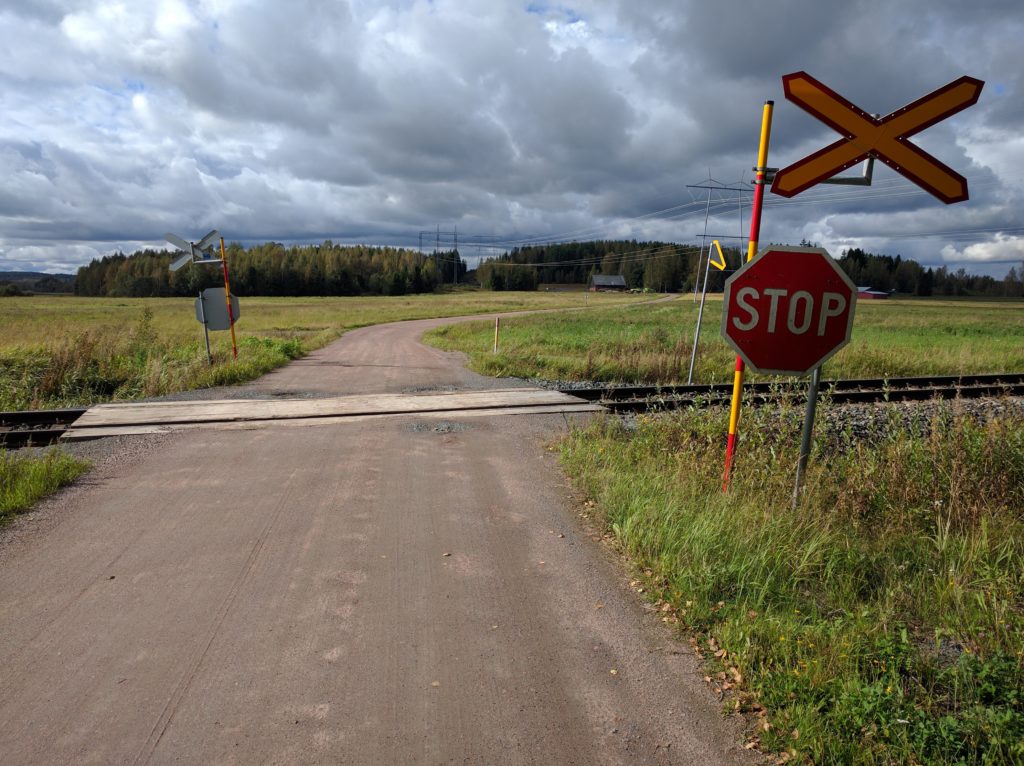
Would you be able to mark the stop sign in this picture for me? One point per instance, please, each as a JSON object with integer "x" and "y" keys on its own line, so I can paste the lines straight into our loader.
{"x": 788, "y": 309}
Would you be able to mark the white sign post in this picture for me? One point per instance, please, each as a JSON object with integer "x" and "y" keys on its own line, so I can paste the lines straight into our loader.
{"x": 211, "y": 313}
{"x": 212, "y": 309}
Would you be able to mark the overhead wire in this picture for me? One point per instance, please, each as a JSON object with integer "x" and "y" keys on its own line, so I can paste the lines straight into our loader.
{"x": 881, "y": 189}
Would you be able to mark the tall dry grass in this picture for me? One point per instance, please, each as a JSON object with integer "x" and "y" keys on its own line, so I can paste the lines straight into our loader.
{"x": 883, "y": 620}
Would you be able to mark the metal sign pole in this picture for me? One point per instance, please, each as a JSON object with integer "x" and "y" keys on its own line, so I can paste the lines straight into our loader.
{"x": 755, "y": 232}
{"x": 700, "y": 255}
{"x": 700, "y": 313}
{"x": 497, "y": 325}
{"x": 227, "y": 298}
{"x": 206, "y": 330}
{"x": 805, "y": 437}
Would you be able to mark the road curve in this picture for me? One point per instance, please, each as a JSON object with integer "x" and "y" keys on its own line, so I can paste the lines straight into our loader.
{"x": 399, "y": 591}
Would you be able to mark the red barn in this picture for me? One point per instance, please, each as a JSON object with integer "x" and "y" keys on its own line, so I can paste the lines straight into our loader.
{"x": 867, "y": 294}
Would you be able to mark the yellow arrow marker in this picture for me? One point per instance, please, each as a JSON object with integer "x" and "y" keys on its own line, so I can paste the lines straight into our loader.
{"x": 720, "y": 263}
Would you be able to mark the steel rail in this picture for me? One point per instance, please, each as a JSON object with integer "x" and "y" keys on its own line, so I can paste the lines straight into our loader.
{"x": 36, "y": 427}
{"x": 614, "y": 392}
{"x": 862, "y": 391}
{"x": 41, "y": 427}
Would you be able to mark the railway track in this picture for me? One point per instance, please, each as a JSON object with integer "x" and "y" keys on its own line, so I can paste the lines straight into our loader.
{"x": 41, "y": 427}
{"x": 35, "y": 427}
{"x": 624, "y": 399}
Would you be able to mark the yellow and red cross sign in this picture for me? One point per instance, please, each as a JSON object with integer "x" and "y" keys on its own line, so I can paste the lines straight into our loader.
{"x": 886, "y": 139}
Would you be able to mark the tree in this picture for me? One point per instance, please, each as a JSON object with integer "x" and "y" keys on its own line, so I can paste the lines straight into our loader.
{"x": 1013, "y": 284}
{"x": 925, "y": 283}
{"x": 495, "y": 279}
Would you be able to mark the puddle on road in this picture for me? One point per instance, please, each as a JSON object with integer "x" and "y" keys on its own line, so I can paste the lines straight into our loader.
{"x": 442, "y": 427}
{"x": 445, "y": 389}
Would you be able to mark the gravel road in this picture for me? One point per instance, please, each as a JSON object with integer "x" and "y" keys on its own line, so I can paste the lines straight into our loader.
{"x": 399, "y": 591}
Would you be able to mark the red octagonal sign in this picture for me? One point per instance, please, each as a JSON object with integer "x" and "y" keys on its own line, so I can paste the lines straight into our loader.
{"x": 788, "y": 310}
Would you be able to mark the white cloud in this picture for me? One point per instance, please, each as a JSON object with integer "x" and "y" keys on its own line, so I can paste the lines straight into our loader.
{"x": 381, "y": 118}
{"x": 1003, "y": 248}
{"x": 1000, "y": 149}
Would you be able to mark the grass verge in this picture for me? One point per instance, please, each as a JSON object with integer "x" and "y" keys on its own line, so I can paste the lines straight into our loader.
{"x": 25, "y": 479}
{"x": 653, "y": 343}
{"x": 883, "y": 621}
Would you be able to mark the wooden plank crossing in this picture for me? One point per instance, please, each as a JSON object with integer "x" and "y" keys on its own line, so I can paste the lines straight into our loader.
{"x": 156, "y": 417}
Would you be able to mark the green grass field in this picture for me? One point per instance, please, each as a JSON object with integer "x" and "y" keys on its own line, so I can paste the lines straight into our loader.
{"x": 653, "y": 343}
{"x": 880, "y": 623}
{"x": 59, "y": 351}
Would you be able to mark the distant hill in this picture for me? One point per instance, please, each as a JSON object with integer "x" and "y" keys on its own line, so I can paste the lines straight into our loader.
{"x": 12, "y": 282}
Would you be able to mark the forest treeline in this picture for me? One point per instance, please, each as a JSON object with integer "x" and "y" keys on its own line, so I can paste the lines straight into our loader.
{"x": 330, "y": 269}
{"x": 894, "y": 274}
{"x": 274, "y": 269}
{"x": 661, "y": 266}
{"x": 668, "y": 267}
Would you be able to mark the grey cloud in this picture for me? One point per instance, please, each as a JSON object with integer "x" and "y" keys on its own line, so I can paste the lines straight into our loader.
{"x": 346, "y": 120}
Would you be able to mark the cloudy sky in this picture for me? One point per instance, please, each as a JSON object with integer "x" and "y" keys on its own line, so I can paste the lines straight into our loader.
{"x": 512, "y": 122}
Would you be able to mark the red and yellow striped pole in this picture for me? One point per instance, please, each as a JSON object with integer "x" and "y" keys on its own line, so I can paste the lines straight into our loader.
{"x": 227, "y": 297}
{"x": 755, "y": 233}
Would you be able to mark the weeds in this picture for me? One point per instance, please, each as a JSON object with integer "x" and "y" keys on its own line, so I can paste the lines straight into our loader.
{"x": 25, "y": 479}
{"x": 882, "y": 622}
{"x": 103, "y": 364}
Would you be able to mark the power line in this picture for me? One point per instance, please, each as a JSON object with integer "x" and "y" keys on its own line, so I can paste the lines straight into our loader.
{"x": 881, "y": 189}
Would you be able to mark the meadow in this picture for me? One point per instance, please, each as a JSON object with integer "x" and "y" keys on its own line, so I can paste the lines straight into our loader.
{"x": 60, "y": 351}
{"x": 882, "y": 621}
{"x": 653, "y": 343}
{"x": 63, "y": 351}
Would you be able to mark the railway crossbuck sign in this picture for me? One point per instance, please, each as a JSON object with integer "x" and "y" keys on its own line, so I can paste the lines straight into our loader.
{"x": 886, "y": 139}
{"x": 788, "y": 310}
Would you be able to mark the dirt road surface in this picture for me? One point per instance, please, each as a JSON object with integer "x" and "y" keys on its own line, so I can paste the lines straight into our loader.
{"x": 398, "y": 591}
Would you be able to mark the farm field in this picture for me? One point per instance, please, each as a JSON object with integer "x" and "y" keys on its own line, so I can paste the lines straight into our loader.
{"x": 66, "y": 351}
{"x": 882, "y": 621}
{"x": 652, "y": 344}
{"x": 61, "y": 351}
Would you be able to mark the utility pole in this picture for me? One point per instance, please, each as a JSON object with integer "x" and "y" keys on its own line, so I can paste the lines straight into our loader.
{"x": 712, "y": 186}
{"x": 703, "y": 241}
{"x": 480, "y": 241}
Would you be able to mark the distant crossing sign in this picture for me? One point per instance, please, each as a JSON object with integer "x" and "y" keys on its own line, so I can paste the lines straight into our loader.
{"x": 193, "y": 249}
{"x": 213, "y": 315}
{"x": 886, "y": 138}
